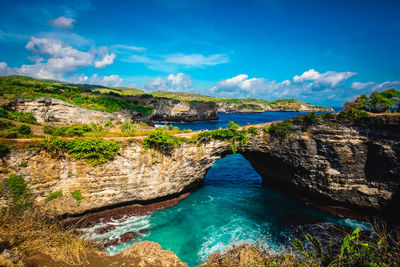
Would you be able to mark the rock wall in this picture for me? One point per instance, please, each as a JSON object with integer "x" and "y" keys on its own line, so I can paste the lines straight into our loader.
{"x": 48, "y": 109}
{"x": 174, "y": 110}
{"x": 227, "y": 107}
{"x": 354, "y": 166}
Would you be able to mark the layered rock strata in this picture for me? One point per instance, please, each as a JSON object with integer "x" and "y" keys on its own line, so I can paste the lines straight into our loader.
{"x": 354, "y": 166}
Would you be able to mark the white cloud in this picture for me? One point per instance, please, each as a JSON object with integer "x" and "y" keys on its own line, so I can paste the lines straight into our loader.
{"x": 62, "y": 22}
{"x": 108, "y": 59}
{"x": 196, "y": 60}
{"x": 112, "y": 80}
{"x": 360, "y": 86}
{"x": 373, "y": 86}
{"x": 178, "y": 82}
{"x": 53, "y": 59}
{"x": 119, "y": 48}
{"x": 173, "y": 62}
{"x": 329, "y": 78}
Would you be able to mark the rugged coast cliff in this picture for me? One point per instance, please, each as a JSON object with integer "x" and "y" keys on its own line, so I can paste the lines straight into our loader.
{"x": 354, "y": 165}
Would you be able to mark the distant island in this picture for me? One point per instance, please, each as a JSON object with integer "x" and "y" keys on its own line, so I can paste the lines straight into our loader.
{"x": 45, "y": 99}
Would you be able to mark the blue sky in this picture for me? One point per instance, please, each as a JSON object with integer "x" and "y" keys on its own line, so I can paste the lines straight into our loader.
{"x": 323, "y": 52}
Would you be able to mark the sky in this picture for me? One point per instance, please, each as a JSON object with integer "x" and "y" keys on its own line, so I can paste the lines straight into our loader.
{"x": 321, "y": 52}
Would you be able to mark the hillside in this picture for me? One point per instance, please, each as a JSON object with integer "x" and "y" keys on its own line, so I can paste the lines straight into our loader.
{"x": 158, "y": 105}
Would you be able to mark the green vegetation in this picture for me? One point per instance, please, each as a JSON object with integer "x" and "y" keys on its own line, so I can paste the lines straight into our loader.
{"x": 70, "y": 131}
{"x": 128, "y": 129}
{"x": 4, "y": 150}
{"x": 19, "y": 192}
{"x": 53, "y": 195}
{"x": 353, "y": 251}
{"x": 77, "y": 195}
{"x": 18, "y": 131}
{"x": 162, "y": 141}
{"x": 17, "y": 116}
{"x": 94, "y": 151}
{"x": 279, "y": 129}
{"x": 253, "y": 131}
{"x": 5, "y": 125}
{"x": 109, "y": 124}
{"x": 23, "y": 164}
{"x": 377, "y": 102}
{"x": 353, "y": 115}
{"x": 381, "y": 250}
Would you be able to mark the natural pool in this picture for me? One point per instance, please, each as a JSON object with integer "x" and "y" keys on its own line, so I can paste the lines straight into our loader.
{"x": 231, "y": 206}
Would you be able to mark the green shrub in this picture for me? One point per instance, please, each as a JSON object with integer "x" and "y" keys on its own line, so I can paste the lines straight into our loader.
{"x": 233, "y": 126}
{"x": 18, "y": 116}
{"x": 24, "y": 129}
{"x": 309, "y": 119}
{"x": 19, "y": 192}
{"x": 353, "y": 115}
{"x": 53, "y": 195}
{"x": 234, "y": 148}
{"x": 280, "y": 129}
{"x": 253, "y": 130}
{"x": 162, "y": 141}
{"x": 109, "y": 124}
{"x": 21, "y": 130}
{"x": 5, "y": 125}
{"x": 47, "y": 129}
{"x": 23, "y": 164}
{"x": 94, "y": 151}
{"x": 77, "y": 195}
{"x": 4, "y": 150}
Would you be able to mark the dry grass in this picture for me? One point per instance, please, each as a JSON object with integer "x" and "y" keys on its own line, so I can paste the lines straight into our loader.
{"x": 22, "y": 236}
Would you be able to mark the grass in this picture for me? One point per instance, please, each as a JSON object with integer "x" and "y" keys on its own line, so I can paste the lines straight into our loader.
{"x": 19, "y": 192}
{"x": 31, "y": 234}
{"x": 53, "y": 195}
{"x": 18, "y": 116}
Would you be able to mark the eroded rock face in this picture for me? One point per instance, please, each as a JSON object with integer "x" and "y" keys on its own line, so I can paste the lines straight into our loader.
{"x": 228, "y": 107}
{"x": 48, "y": 109}
{"x": 151, "y": 254}
{"x": 354, "y": 166}
{"x": 174, "y": 110}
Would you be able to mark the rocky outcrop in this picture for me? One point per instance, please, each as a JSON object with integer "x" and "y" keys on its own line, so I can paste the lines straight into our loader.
{"x": 351, "y": 165}
{"x": 148, "y": 253}
{"x": 228, "y": 107}
{"x": 48, "y": 109}
{"x": 175, "y": 110}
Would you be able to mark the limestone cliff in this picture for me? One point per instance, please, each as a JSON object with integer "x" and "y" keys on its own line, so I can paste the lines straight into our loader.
{"x": 175, "y": 110}
{"x": 48, "y": 109}
{"x": 337, "y": 162}
{"x": 228, "y": 107}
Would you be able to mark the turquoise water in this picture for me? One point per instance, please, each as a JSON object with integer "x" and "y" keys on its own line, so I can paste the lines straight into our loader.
{"x": 231, "y": 206}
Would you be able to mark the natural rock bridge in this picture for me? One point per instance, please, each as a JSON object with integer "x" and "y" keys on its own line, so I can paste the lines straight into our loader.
{"x": 351, "y": 166}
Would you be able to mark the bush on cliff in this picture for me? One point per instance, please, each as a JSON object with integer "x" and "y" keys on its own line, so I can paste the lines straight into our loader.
{"x": 353, "y": 115}
{"x": 162, "y": 141}
{"x": 94, "y": 151}
{"x": 279, "y": 129}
